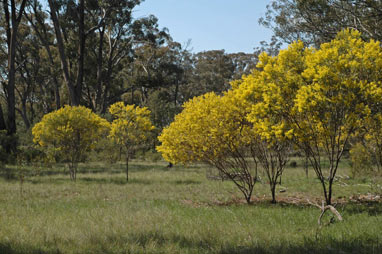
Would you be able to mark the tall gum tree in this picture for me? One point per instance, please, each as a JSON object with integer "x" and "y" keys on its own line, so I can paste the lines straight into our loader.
{"x": 318, "y": 21}
{"x": 73, "y": 82}
{"x": 13, "y": 12}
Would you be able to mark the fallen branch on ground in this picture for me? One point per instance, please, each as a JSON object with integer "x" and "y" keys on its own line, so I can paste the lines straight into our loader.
{"x": 324, "y": 208}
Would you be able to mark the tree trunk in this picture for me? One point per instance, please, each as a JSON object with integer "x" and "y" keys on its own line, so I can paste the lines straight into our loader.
{"x": 11, "y": 100}
{"x": 273, "y": 191}
{"x": 248, "y": 193}
{"x": 2, "y": 121}
{"x": 73, "y": 171}
{"x": 127, "y": 167}
{"x": 12, "y": 21}
{"x": 24, "y": 115}
{"x": 107, "y": 81}
{"x": 306, "y": 166}
{"x": 57, "y": 93}
{"x": 81, "y": 53}
{"x": 99, "y": 70}
{"x": 176, "y": 93}
{"x": 327, "y": 199}
{"x": 61, "y": 50}
{"x": 45, "y": 41}
{"x": 330, "y": 191}
{"x": 248, "y": 199}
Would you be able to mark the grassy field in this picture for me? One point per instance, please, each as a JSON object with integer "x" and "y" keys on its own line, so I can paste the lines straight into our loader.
{"x": 179, "y": 210}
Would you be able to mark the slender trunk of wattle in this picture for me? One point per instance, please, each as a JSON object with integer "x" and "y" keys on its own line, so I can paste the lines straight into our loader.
{"x": 330, "y": 190}
{"x": 127, "y": 167}
{"x": 248, "y": 199}
{"x": 327, "y": 200}
{"x": 249, "y": 194}
{"x": 273, "y": 190}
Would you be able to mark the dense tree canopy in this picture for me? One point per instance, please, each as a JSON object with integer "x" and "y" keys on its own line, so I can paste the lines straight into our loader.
{"x": 318, "y": 97}
{"x": 130, "y": 128}
{"x": 70, "y": 131}
{"x": 318, "y": 21}
{"x": 213, "y": 129}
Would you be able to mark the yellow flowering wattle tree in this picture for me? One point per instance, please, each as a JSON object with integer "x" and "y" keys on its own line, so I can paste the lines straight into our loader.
{"x": 371, "y": 136}
{"x": 269, "y": 92}
{"x": 342, "y": 85}
{"x": 130, "y": 128}
{"x": 317, "y": 97}
{"x": 272, "y": 150}
{"x": 213, "y": 129}
{"x": 71, "y": 132}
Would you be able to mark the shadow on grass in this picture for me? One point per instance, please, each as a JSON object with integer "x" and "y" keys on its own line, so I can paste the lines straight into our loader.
{"x": 15, "y": 173}
{"x": 114, "y": 180}
{"x": 56, "y": 180}
{"x": 89, "y": 168}
{"x": 133, "y": 167}
{"x": 210, "y": 244}
{"x": 186, "y": 182}
{"x": 163, "y": 168}
{"x": 8, "y": 249}
{"x": 318, "y": 248}
{"x": 147, "y": 238}
{"x": 122, "y": 181}
{"x": 110, "y": 180}
{"x": 89, "y": 180}
{"x": 106, "y": 180}
{"x": 372, "y": 208}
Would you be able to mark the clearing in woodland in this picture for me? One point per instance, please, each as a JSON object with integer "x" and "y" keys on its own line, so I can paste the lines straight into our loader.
{"x": 181, "y": 210}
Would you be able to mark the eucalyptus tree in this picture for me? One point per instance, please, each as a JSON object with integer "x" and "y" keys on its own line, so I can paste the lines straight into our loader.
{"x": 125, "y": 39}
{"x": 13, "y": 13}
{"x": 158, "y": 73}
{"x": 213, "y": 72}
{"x": 102, "y": 34}
{"x": 318, "y": 21}
{"x": 68, "y": 18}
{"x": 38, "y": 22}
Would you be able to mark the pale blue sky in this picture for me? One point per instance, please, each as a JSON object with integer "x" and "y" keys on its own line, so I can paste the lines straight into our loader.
{"x": 231, "y": 25}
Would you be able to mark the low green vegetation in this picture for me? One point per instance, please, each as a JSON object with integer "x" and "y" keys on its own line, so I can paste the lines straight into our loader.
{"x": 181, "y": 210}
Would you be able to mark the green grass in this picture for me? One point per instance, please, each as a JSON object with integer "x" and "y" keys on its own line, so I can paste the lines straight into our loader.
{"x": 178, "y": 210}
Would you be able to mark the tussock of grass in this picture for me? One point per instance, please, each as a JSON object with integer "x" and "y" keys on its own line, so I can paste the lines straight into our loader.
{"x": 176, "y": 210}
